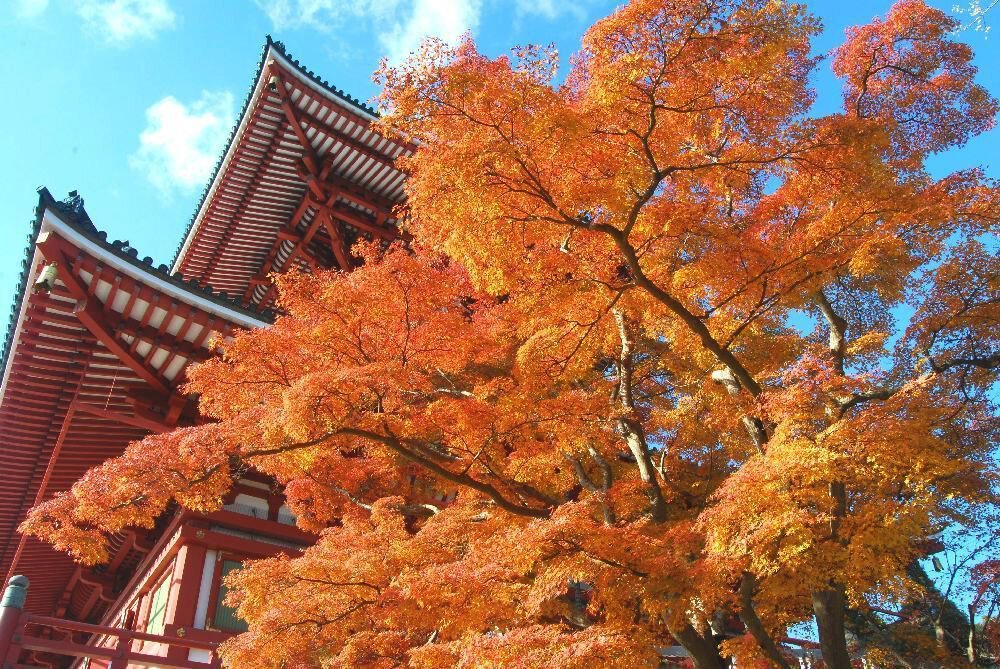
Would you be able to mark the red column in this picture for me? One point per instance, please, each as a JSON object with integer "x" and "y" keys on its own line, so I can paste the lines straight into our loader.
{"x": 184, "y": 595}
{"x": 11, "y": 608}
{"x": 274, "y": 503}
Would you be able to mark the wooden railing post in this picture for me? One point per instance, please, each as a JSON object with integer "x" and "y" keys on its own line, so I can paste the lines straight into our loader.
{"x": 11, "y": 608}
{"x": 111, "y": 646}
{"x": 122, "y": 650}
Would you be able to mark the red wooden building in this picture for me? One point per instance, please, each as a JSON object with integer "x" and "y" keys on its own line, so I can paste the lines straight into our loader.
{"x": 97, "y": 347}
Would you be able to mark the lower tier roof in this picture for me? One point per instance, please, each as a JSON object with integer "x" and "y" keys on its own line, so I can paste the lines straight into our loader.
{"x": 97, "y": 349}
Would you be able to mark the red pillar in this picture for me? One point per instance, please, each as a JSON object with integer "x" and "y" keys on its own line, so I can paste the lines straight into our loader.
{"x": 184, "y": 595}
{"x": 11, "y": 608}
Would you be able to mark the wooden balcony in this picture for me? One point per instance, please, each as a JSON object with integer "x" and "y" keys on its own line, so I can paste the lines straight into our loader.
{"x": 109, "y": 647}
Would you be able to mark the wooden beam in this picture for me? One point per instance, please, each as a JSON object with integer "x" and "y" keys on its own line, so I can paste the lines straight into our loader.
{"x": 310, "y": 158}
{"x": 155, "y": 337}
{"x": 134, "y": 421}
{"x": 92, "y": 318}
{"x": 290, "y": 230}
{"x": 351, "y": 192}
{"x": 67, "y": 595}
{"x": 357, "y": 219}
{"x": 302, "y": 240}
{"x": 337, "y": 244}
{"x": 311, "y": 181}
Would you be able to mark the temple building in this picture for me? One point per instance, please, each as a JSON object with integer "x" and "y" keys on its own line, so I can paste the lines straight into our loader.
{"x": 96, "y": 350}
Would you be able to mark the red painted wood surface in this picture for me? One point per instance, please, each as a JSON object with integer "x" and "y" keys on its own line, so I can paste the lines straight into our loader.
{"x": 36, "y": 634}
{"x": 95, "y": 367}
{"x": 299, "y": 151}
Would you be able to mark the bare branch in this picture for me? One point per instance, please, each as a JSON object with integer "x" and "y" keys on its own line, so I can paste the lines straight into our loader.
{"x": 631, "y": 429}
{"x": 838, "y": 330}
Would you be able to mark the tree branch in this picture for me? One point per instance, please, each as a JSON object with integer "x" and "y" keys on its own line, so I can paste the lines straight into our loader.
{"x": 723, "y": 354}
{"x": 748, "y": 586}
{"x": 631, "y": 429}
{"x": 838, "y": 330}
{"x": 396, "y": 445}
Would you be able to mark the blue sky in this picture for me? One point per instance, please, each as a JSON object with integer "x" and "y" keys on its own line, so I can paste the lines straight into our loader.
{"x": 130, "y": 101}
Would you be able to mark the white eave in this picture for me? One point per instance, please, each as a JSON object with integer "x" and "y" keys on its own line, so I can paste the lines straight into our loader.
{"x": 52, "y": 223}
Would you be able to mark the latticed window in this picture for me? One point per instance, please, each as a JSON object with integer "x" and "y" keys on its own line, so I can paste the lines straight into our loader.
{"x": 158, "y": 608}
{"x": 225, "y": 617}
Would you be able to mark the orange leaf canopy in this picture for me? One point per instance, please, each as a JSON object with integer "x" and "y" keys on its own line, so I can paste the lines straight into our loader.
{"x": 640, "y": 375}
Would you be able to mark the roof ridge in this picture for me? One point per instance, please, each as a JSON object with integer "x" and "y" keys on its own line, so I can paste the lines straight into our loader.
{"x": 339, "y": 92}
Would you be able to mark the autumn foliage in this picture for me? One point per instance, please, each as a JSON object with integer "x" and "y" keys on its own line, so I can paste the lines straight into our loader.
{"x": 670, "y": 360}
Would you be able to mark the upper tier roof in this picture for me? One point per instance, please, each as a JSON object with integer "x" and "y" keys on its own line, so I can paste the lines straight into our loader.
{"x": 302, "y": 151}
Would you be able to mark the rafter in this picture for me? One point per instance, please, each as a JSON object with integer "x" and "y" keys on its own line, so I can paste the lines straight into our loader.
{"x": 134, "y": 421}
{"x": 141, "y": 332}
{"x": 91, "y": 316}
{"x": 344, "y": 138}
{"x": 251, "y": 188}
{"x": 327, "y": 193}
{"x": 349, "y": 116}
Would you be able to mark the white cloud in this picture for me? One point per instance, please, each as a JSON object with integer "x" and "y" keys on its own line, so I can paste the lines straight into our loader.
{"x": 447, "y": 19}
{"x": 325, "y": 14}
{"x": 181, "y": 142}
{"x": 121, "y": 21}
{"x": 399, "y": 24}
{"x": 552, "y": 9}
{"x": 29, "y": 9}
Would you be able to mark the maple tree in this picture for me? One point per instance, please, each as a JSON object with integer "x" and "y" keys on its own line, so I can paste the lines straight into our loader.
{"x": 640, "y": 378}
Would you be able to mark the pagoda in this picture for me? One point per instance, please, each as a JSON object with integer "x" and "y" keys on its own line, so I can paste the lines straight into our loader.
{"x": 96, "y": 353}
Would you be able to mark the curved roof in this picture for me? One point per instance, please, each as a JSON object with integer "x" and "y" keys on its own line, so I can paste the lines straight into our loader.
{"x": 73, "y": 214}
{"x": 90, "y": 363}
{"x": 290, "y": 137}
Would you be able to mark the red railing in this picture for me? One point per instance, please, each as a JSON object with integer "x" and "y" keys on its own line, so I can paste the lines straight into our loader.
{"x": 109, "y": 644}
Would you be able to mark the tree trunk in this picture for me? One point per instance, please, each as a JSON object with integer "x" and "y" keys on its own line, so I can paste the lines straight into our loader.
{"x": 702, "y": 647}
{"x": 828, "y": 605}
{"x": 636, "y": 441}
{"x": 971, "y": 650}
{"x": 754, "y": 625}
{"x": 939, "y": 635}
{"x": 634, "y": 435}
